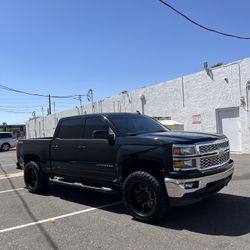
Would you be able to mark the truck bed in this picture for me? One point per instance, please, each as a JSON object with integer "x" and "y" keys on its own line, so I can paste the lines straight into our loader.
{"x": 35, "y": 147}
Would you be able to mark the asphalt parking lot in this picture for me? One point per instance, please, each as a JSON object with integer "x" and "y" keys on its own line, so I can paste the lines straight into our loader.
{"x": 72, "y": 218}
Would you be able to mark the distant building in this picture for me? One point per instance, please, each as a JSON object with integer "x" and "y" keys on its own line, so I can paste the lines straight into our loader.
{"x": 214, "y": 100}
{"x": 18, "y": 129}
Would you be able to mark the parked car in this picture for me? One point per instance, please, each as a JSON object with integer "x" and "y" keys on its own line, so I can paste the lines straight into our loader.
{"x": 153, "y": 167}
{"x": 7, "y": 141}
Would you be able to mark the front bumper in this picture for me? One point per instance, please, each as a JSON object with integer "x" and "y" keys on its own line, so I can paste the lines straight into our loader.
{"x": 180, "y": 194}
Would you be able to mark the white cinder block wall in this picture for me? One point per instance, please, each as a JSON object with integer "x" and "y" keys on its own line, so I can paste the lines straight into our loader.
{"x": 201, "y": 94}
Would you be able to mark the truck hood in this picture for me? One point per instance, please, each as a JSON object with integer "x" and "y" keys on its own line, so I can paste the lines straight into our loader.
{"x": 181, "y": 137}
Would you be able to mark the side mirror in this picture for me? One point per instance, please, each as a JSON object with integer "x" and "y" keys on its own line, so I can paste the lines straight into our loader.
{"x": 103, "y": 134}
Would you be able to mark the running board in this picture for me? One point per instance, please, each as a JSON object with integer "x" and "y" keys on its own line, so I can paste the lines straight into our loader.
{"x": 105, "y": 190}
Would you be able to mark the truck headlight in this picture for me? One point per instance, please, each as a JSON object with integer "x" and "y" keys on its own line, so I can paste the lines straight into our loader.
{"x": 184, "y": 164}
{"x": 183, "y": 150}
{"x": 182, "y": 157}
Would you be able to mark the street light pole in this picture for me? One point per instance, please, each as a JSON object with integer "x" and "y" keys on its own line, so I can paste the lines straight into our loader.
{"x": 54, "y": 105}
{"x": 80, "y": 99}
{"x": 91, "y": 99}
{"x": 49, "y": 105}
{"x": 43, "y": 122}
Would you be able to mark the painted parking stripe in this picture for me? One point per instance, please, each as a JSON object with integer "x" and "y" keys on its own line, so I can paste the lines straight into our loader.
{"x": 58, "y": 217}
{"x": 11, "y": 190}
{"x": 8, "y": 176}
{"x": 8, "y": 165}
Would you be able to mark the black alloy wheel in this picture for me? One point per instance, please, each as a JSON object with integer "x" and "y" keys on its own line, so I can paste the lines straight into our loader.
{"x": 32, "y": 177}
{"x": 35, "y": 179}
{"x": 145, "y": 197}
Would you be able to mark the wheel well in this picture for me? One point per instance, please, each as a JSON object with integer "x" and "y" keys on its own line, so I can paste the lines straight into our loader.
{"x": 132, "y": 165}
{"x": 28, "y": 158}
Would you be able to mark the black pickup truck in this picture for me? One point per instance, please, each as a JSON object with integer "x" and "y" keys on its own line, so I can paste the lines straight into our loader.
{"x": 153, "y": 167}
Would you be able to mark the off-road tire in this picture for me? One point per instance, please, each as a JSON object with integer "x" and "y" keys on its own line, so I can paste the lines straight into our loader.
{"x": 35, "y": 179}
{"x": 155, "y": 189}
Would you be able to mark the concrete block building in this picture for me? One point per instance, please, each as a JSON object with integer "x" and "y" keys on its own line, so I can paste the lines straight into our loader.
{"x": 215, "y": 100}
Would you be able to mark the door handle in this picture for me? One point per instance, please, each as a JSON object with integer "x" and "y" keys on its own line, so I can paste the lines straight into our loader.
{"x": 55, "y": 147}
{"x": 82, "y": 147}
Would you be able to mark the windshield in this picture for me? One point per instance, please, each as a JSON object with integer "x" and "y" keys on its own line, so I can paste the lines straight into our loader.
{"x": 136, "y": 124}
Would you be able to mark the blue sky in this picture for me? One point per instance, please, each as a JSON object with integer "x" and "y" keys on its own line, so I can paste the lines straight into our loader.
{"x": 66, "y": 47}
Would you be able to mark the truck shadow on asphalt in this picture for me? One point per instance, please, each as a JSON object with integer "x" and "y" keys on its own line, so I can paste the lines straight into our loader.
{"x": 220, "y": 214}
{"x": 81, "y": 196}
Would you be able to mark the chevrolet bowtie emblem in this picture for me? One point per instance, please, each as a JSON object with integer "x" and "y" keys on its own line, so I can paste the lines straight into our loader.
{"x": 221, "y": 152}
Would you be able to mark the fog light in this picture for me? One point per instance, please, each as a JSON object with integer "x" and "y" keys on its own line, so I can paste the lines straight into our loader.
{"x": 190, "y": 185}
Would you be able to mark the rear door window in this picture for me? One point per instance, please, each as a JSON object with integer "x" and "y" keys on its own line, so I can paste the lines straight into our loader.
{"x": 71, "y": 129}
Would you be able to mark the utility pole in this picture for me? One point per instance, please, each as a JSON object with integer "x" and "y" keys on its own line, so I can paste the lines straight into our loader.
{"x": 54, "y": 106}
{"x": 91, "y": 99}
{"x": 43, "y": 122}
{"x": 80, "y": 99}
{"x": 49, "y": 105}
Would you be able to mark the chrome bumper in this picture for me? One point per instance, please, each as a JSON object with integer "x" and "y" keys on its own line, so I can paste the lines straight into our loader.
{"x": 176, "y": 187}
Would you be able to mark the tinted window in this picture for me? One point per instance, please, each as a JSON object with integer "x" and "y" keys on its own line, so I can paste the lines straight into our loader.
{"x": 93, "y": 124}
{"x": 71, "y": 128}
{"x": 136, "y": 124}
{"x": 5, "y": 135}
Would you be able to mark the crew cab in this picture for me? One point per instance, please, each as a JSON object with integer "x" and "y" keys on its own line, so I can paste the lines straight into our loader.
{"x": 153, "y": 167}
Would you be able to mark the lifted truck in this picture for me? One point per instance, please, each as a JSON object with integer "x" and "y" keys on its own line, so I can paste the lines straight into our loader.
{"x": 153, "y": 167}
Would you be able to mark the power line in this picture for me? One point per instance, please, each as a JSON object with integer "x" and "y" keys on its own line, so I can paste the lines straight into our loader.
{"x": 36, "y": 94}
{"x": 23, "y": 107}
{"x": 22, "y": 103}
{"x": 69, "y": 96}
{"x": 20, "y": 91}
{"x": 202, "y": 26}
{"x": 15, "y": 112}
{"x": 89, "y": 96}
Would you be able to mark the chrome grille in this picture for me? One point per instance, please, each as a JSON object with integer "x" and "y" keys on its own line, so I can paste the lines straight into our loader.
{"x": 213, "y": 147}
{"x": 213, "y": 161}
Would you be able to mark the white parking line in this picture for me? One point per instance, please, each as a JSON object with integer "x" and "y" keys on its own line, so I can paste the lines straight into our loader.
{"x": 8, "y": 165}
{"x": 11, "y": 190}
{"x": 8, "y": 176}
{"x": 58, "y": 217}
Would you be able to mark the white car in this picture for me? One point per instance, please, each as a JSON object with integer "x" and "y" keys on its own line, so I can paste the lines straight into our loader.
{"x": 7, "y": 141}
